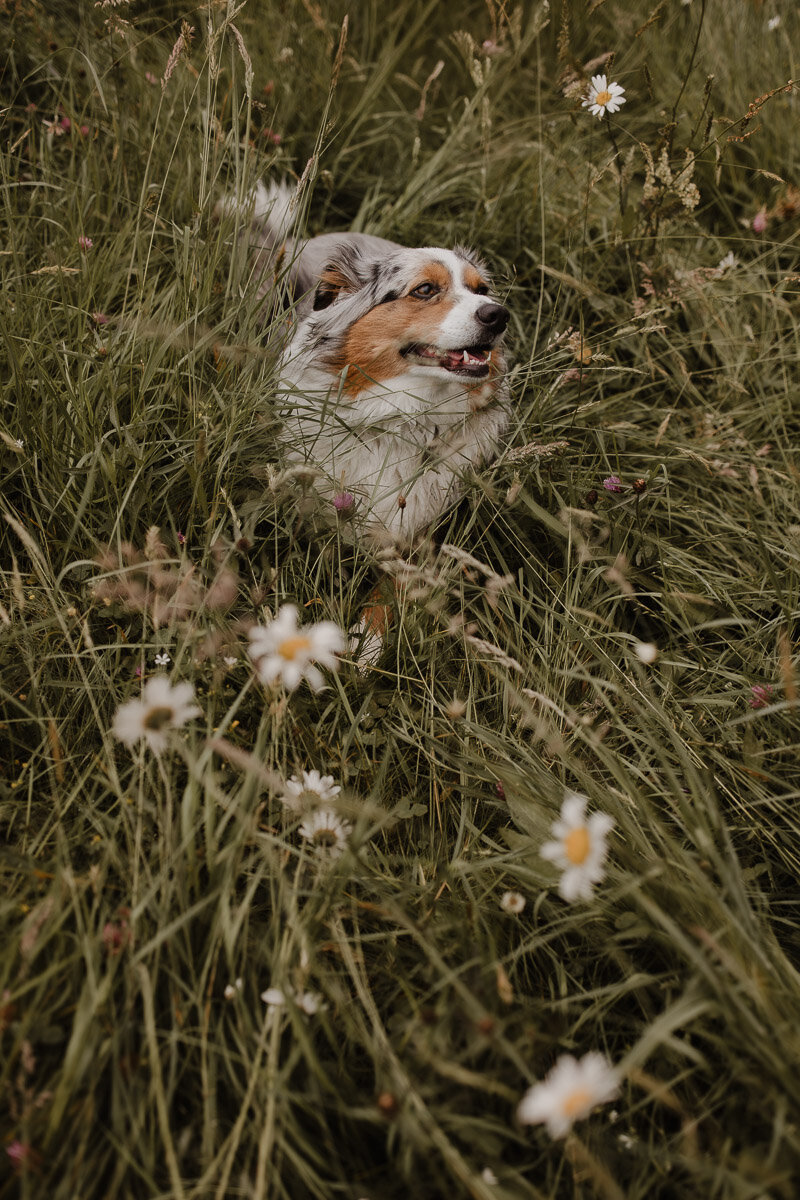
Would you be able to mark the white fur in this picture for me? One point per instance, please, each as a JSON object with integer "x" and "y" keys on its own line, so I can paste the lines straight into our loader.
{"x": 276, "y": 203}
{"x": 411, "y": 440}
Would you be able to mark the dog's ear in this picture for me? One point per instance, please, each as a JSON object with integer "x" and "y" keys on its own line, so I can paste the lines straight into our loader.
{"x": 345, "y": 273}
{"x": 331, "y": 284}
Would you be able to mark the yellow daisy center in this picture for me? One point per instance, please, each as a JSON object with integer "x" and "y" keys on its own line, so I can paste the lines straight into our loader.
{"x": 158, "y": 718}
{"x": 577, "y": 1102}
{"x": 325, "y": 838}
{"x": 293, "y": 646}
{"x": 602, "y": 98}
{"x": 577, "y": 845}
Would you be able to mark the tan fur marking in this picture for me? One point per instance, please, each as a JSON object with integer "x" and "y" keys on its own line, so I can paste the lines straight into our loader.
{"x": 372, "y": 348}
{"x": 377, "y": 617}
{"x": 473, "y": 279}
{"x": 436, "y": 273}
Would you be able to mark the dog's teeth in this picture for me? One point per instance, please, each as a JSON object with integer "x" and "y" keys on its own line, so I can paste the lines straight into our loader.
{"x": 466, "y": 356}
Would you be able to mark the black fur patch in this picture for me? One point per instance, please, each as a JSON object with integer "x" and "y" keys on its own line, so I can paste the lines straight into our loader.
{"x": 324, "y": 295}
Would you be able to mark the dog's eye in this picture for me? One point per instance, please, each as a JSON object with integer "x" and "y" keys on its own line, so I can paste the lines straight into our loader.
{"x": 482, "y": 290}
{"x": 424, "y": 291}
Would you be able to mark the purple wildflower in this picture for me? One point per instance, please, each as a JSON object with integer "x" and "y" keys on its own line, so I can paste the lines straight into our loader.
{"x": 19, "y": 1153}
{"x": 613, "y": 483}
{"x": 343, "y": 501}
{"x": 116, "y": 936}
{"x": 760, "y": 695}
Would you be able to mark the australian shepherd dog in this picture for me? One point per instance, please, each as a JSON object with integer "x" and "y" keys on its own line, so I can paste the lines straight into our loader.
{"x": 392, "y": 382}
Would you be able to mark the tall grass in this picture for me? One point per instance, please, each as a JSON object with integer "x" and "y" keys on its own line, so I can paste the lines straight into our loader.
{"x": 137, "y": 385}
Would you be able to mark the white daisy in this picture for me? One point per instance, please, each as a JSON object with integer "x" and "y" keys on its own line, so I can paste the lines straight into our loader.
{"x": 580, "y": 849}
{"x": 512, "y": 902}
{"x": 603, "y": 97}
{"x": 569, "y": 1093}
{"x": 326, "y": 831}
{"x": 161, "y": 707}
{"x": 308, "y": 1002}
{"x": 284, "y": 651}
{"x": 313, "y": 790}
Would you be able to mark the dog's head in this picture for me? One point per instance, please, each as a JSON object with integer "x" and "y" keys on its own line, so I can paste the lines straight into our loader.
{"x": 412, "y": 314}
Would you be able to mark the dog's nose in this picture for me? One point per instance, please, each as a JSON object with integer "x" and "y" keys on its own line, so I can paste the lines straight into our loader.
{"x": 493, "y": 316}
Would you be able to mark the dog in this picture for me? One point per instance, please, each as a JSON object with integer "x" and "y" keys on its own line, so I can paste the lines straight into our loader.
{"x": 392, "y": 381}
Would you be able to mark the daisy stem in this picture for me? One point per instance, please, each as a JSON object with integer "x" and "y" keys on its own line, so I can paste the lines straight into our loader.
{"x": 618, "y": 159}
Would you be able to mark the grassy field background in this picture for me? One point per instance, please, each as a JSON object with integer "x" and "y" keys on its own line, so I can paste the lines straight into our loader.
{"x": 651, "y": 266}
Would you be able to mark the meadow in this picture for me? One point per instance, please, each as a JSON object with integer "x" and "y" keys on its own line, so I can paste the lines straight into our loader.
{"x": 205, "y": 995}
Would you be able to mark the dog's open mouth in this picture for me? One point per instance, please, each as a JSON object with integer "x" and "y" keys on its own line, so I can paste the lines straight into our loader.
{"x": 472, "y": 360}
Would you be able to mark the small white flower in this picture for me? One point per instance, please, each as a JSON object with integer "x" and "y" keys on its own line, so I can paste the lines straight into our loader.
{"x": 19, "y": 443}
{"x": 161, "y": 707}
{"x": 230, "y": 660}
{"x": 308, "y": 1002}
{"x": 603, "y": 97}
{"x": 569, "y": 1093}
{"x": 773, "y": 23}
{"x": 231, "y": 989}
{"x": 728, "y": 262}
{"x": 313, "y": 789}
{"x": 326, "y": 831}
{"x": 163, "y": 659}
{"x": 580, "y": 849}
{"x": 284, "y": 651}
{"x": 512, "y": 902}
{"x": 274, "y": 997}
{"x": 646, "y": 652}
{"x": 488, "y": 1176}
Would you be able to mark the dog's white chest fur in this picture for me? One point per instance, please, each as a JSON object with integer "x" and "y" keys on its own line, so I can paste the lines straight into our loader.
{"x": 401, "y": 448}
